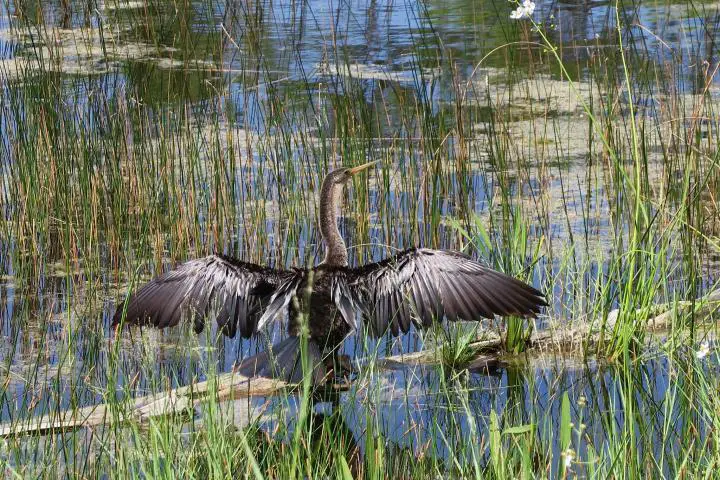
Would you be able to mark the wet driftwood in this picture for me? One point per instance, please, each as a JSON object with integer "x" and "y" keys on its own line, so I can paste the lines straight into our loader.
{"x": 657, "y": 318}
{"x": 142, "y": 409}
{"x": 232, "y": 386}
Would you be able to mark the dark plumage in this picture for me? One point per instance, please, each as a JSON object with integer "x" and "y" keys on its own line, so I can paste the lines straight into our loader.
{"x": 417, "y": 286}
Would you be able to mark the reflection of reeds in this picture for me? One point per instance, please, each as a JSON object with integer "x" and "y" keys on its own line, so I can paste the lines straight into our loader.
{"x": 602, "y": 193}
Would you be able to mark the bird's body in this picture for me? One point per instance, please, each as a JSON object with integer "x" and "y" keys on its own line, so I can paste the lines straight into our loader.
{"x": 331, "y": 332}
{"x": 416, "y": 286}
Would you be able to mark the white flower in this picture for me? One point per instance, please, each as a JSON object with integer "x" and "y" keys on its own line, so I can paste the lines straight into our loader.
{"x": 704, "y": 350}
{"x": 524, "y": 10}
{"x": 569, "y": 456}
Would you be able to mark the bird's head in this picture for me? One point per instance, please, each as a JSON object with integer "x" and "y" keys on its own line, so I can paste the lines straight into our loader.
{"x": 341, "y": 176}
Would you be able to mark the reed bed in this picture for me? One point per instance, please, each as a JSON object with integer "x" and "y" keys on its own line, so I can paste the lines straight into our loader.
{"x": 135, "y": 135}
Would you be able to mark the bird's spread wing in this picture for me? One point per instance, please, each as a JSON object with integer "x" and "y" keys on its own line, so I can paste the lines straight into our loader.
{"x": 346, "y": 299}
{"x": 235, "y": 292}
{"x": 421, "y": 285}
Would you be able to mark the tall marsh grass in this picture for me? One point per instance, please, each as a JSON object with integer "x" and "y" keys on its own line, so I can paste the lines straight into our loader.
{"x": 136, "y": 136}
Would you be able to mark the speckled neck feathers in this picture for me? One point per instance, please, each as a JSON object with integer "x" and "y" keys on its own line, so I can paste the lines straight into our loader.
{"x": 336, "y": 251}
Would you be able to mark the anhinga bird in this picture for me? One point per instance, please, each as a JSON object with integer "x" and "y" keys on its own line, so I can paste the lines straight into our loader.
{"x": 417, "y": 286}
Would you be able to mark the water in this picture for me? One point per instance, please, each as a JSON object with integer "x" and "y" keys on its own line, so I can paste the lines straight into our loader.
{"x": 275, "y": 76}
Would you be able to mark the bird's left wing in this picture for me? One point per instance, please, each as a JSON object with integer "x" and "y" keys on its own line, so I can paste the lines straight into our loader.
{"x": 235, "y": 292}
{"x": 420, "y": 286}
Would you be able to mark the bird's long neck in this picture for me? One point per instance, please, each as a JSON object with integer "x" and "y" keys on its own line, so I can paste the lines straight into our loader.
{"x": 336, "y": 251}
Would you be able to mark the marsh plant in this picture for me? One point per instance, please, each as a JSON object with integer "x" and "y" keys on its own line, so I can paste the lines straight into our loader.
{"x": 572, "y": 147}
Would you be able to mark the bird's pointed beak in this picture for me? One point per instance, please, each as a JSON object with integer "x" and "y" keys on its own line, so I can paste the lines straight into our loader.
{"x": 362, "y": 167}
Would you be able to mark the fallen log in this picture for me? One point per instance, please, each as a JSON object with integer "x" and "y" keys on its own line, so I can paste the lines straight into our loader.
{"x": 657, "y": 318}
{"x": 143, "y": 409}
{"x": 233, "y": 386}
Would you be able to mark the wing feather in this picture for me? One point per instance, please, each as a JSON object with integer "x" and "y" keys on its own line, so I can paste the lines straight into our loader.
{"x": 345, "y": 301}
{"x": 281, "y": 297}
{"x": 232, "y": 291}
{"x": 423, "y": 285}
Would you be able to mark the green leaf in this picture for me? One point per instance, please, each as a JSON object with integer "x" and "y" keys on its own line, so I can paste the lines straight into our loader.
{"x": 495, "y": 445}
{"x": 519, "y": 429}
{"x": 344, "y": 468}
{"x": 565, "y": 428}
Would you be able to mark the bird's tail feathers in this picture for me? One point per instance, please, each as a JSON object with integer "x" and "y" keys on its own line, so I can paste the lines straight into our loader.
{"x": 283, "y": 362}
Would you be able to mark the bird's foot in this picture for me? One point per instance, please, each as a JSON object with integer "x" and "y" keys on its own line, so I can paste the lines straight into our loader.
{"x": 340, "y": 368}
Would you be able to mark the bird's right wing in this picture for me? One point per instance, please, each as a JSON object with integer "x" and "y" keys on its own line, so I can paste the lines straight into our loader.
{"x": 236, "y": 292}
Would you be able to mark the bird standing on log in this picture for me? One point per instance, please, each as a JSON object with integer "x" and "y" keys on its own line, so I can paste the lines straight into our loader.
{"x": 417, "y": 286}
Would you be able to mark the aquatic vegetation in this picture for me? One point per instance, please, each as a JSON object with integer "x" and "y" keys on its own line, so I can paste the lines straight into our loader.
{"x": 575, "y": 149}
